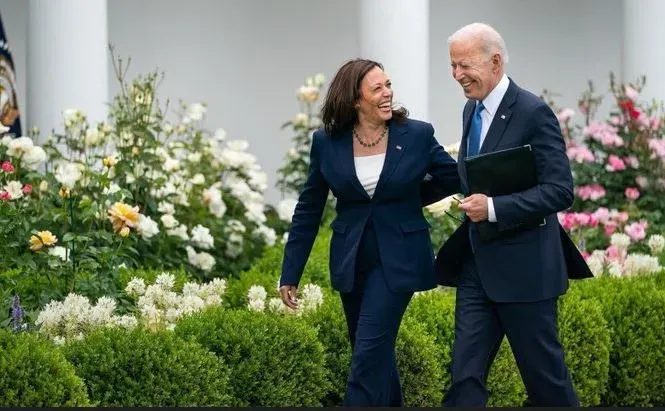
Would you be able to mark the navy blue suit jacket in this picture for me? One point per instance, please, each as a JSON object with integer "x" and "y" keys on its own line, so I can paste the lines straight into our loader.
{"x": 405, "y": 248}
{"x": 521, "y": 265}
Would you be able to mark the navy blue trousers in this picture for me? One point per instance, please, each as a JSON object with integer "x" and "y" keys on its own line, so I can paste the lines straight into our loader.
{"x": 531, "y": 328}
{"x": 373, "y": 315}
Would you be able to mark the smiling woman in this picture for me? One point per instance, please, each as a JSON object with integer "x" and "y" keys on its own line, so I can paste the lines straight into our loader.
{"x": 374, "y": 159}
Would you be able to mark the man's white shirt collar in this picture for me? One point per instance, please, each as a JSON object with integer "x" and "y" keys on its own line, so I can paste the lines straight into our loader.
{"x": 494, "y": 98}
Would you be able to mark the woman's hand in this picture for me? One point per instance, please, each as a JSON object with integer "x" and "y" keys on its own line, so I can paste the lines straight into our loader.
{"x": 288, "y": 294}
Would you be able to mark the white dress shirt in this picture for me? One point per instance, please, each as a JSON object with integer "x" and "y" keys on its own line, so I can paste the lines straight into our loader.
{"x": 491, "y": 103}
{"x": 368, "y": 170}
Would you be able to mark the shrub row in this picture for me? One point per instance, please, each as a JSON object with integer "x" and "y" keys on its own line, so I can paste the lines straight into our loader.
{"x": 612, "y": 331}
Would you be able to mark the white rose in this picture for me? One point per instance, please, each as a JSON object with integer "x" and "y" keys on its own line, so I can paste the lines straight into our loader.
{"x": 286, "y": 208}
{"x": 169, "y": 221}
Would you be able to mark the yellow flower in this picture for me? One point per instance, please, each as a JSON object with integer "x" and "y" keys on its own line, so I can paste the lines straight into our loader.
{"x": 110, "y": 161}
{"x": 123, "y": 216}
{"x": 64, "y": 192}
{"x": 43, "y": 238}
{"x": 124, "y": 231}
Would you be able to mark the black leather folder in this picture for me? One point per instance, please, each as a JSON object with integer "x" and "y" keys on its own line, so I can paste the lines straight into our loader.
{"x": 500, "y": 173}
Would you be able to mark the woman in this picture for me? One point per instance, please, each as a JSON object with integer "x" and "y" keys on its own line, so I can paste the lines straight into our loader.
{"x": 374, "y": 159}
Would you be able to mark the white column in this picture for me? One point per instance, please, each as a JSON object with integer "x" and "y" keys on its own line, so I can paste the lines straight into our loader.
{"x": 643, "y": 49}
{"x": 396, "y": 34}
{"x": 67, "y": 61}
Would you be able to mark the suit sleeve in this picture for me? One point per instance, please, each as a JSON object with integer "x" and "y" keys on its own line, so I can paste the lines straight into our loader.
{"x": 306, "y": 218}
{"x": 554, "y": 191}
{"x": 443, "y": 169}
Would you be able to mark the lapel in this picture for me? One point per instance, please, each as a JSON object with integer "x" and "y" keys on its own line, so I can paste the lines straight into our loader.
{"x": 396, "y": 146}
{"x": 500, "y": 121}
{"x": 344, "y": 148}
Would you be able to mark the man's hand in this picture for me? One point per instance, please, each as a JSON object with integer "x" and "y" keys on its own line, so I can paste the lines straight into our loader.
{"x": 288, "y": 294}
{"x": 475, "y": 207}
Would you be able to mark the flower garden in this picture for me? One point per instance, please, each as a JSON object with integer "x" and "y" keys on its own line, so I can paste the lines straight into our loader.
{"x": 139, "y": 265}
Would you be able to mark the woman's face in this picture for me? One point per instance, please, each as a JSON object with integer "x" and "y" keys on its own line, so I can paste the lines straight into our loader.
{"x": 376, "y": 97}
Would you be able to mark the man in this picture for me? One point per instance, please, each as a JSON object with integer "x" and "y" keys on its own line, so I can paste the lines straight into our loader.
{"x": 509, "y": 285}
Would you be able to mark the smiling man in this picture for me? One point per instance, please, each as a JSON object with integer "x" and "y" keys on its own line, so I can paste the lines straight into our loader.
{"x": 509, "y": 285}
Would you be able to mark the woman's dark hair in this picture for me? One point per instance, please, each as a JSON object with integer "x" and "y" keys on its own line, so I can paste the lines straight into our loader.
{"x": 339, "y": 107}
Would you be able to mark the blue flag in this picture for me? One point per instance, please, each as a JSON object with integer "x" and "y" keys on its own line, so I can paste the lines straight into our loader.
{"x": 9, "y": 112}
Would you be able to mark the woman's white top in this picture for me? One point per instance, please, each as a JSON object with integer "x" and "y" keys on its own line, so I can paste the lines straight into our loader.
{"x": 368, "y": 169}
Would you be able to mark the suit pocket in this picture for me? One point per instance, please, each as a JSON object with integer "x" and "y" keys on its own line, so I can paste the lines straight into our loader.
{"x": 417, "y": 245}
{"x": 414, "y": 225}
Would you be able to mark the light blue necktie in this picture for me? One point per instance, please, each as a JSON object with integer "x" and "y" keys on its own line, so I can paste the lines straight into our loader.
{"x": 474, "y": 131}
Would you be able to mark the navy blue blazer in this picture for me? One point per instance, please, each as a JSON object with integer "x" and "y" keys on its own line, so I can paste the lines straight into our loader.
{"x": 405, "y": 248}
{"x": 521, "y": 265}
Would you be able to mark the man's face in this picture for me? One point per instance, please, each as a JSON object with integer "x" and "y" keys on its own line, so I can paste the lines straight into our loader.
{"x": 476, "y": 72}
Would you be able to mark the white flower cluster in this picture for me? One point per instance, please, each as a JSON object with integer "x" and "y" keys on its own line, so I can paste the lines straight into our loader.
{"x": 656, "y": 243}
{"x": 23, "y": 149}
{"x": 201, "y": 260}
{"x": 617, "y": 262}
{"x": 147, "y": 227}
{"x": 286, "y": 208}
{"x": 160, "y": 307}
{"x": 311, "y": 297}
{"x": 234, "y": 238}
{"x": 309, "y": 92}
{"x": 75, "y": 316}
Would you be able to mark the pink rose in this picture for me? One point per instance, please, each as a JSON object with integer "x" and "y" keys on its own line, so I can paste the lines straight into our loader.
{"x": 610, "y": 227}
{"x": 631, "y": 93}
{"x": 565, "y": 114}
{"x": 601, "y": 214}
{"x": 7, "y": 167}
{"x": 655, "y": 122}
{"x": 612, "y": 253}
{"x": 657, "y": 146}
{"x": 614, "y": 163}
{"x": 5, "y": 196}
{"x": 636, "y": 231}
{"x": 567, "y": 220}
{"x": 27, "y": 189}
{"x": 582, "y": 219}
{"x": 632, "y": 161}
{"x": 603, "y": 133}
{"x": 632, "y": 193}
{"x": 580, "y": 154}
{"x": 591, "y": 192}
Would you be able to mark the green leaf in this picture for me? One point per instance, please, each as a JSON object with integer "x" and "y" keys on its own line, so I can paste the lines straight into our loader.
{"x": 68, "y": 237}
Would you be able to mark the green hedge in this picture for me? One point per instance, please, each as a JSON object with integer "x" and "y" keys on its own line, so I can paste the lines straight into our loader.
{"x": 34, "y": 373}
{"x": 634, "y": 309}
{"x": 136, "y": 368}
{"x": 419, "y": 365}
{"x": 274, "y": 360}
{"x": 585, "y": 337}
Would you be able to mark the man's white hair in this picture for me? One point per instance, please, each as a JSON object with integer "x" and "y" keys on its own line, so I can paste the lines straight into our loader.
{"x": 491, "y": 40}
